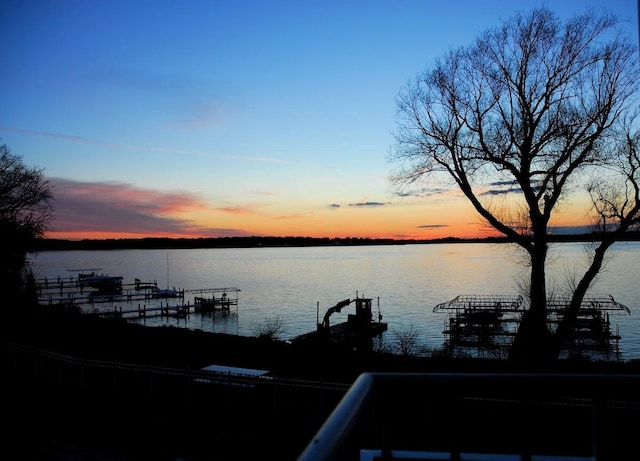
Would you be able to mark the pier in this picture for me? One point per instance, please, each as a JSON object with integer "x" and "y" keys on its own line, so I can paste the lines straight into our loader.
{"x": 92, "y": 298}
{"x": 142, "y": 311}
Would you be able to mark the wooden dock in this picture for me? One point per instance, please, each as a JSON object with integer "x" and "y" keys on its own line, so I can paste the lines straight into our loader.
{"x": 63, "y": 289}
{"x": 212, "y": 303}
{"x": 143, "y": 311}
{"x": 92, "y": 298}
{"x": 151, "y": 301}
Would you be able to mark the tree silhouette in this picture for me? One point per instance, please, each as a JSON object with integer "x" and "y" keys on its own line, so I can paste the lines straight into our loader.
{"x": 25, "y": 213}
{"x": 517, "y": 121}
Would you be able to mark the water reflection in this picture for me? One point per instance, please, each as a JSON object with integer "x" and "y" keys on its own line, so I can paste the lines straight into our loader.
{"x": 409, "y": 280}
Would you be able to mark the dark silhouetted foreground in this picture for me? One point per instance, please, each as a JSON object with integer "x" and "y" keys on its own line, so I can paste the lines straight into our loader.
{"x": 161, "y": 418}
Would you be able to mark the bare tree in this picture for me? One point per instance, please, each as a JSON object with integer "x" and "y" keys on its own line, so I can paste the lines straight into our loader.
{"x": 25, "y": 213}
{"x": 616, "y": 203}
{"x": 526, "y": 111}
{"x": 406, "y": 341}
{"x": 271, "y": 328}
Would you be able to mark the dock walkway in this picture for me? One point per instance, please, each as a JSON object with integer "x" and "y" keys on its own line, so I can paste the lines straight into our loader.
{"x": 142, "y": 311}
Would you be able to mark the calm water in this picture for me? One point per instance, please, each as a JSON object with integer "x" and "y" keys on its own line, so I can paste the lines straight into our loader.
{"x": 405, "y": 281}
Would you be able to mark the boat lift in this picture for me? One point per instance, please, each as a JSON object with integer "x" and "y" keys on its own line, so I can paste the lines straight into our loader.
{"x": 489, "y": 322}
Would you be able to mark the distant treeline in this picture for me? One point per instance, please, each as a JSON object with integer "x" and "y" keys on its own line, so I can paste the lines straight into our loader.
{"x": 257, "y": 241}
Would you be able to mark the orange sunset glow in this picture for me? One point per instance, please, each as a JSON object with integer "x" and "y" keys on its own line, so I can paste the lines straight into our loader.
{"x": 148, "y": 213}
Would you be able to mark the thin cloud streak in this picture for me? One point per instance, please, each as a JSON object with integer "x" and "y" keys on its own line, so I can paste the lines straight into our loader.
{"x": 136, "y": 148}
{"x": 422, "y": 192}
{"x": 433, "y": 226}
{"x": 569, "y": 230}
{"x": 234, "y": 210}
{"x": 98, "y": 142}
{"x": 368, "y": 204}
{"x": 65, "y": 137}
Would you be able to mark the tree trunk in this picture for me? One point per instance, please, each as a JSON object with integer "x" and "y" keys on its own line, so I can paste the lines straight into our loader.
{"x": 533, "y": 341}
{"x": 565, "y": 330}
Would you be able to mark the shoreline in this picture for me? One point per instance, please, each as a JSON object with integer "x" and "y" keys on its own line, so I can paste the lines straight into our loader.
{"x": 113, "y": 339}
{"x": 162, "y": 243}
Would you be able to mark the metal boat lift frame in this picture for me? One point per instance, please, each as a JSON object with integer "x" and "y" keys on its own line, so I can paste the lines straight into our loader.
{"x": 488, "y": 323}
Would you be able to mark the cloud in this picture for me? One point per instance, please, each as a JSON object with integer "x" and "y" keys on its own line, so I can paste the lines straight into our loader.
{"x": 505, "y": 187}
{"x": 433, "y": 226}
{"x": 502, "y": 183}
{"x": 508, "y": 190}
{"x": 236, "y": 210}
{"x": 289, "y": 217}
{"x": 114, "y": 207}
{"x": 136, "y": 148}
{"x": 570, "y": 230}
{"x": 334, "y": 205}
{"x": 368, "y": 204}
{"x": 98, "y": 142}
{"x": 422, "y": 192}
{"x": 62, "y": 136}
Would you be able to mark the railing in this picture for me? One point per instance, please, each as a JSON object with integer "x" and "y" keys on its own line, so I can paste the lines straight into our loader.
{"x": 53, "y": 365}
{"x": 483, "y": 416}
{"x": 133, "y": 408}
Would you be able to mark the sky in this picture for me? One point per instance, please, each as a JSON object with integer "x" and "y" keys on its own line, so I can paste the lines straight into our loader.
{"x": 227, "y": 118}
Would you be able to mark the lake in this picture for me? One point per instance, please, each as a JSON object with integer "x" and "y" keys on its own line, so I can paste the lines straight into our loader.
{"x": 294, "y": 286}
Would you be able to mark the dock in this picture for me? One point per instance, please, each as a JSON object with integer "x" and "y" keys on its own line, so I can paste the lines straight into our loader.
{"x": 212, "y": 303}
{"x": 91, "y": 298}
{"x": 142, "y": 311}
{"x": 108, "y": 296}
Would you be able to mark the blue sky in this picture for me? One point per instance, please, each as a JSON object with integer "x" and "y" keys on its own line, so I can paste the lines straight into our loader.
{"x": 220, "y": 118}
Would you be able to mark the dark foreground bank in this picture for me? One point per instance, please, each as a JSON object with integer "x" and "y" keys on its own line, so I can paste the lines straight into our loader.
{"x": 68, "y": 332}
{"x": 61, "y": 410}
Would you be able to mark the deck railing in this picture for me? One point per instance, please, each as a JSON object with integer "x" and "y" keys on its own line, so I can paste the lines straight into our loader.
{"x": 483, "y": 417}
